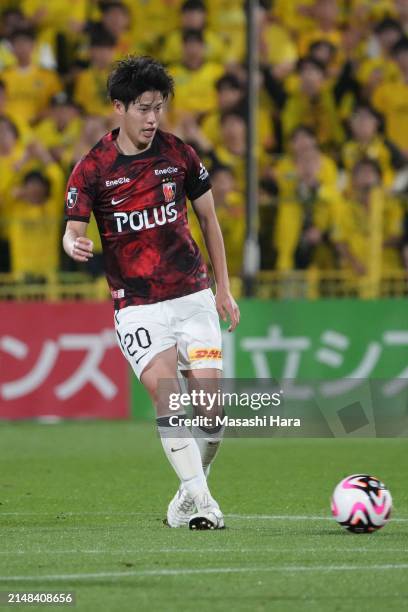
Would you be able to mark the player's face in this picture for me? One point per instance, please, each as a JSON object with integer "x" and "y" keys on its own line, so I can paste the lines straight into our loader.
{"x": 142, "y": 118}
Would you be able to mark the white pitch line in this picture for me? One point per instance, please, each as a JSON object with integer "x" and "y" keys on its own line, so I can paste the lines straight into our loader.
{"x": 64, "y": 514}
{"x": 209, "y": 570}
{"x": 138, "y": 551}
{"x": 291, "y": 517}
{"x": 247, "y": 517}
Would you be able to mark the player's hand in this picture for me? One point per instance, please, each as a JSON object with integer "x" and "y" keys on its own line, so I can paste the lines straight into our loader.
{"x": 82, "y": 249}
{"x": 227, "y": 307}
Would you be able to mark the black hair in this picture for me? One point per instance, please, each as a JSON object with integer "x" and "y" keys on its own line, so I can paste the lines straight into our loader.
{"x": 366, "y": 106}
{"x": 193, "y": 5}
{"x": 11, "y": 125}
{"x": 229, "y": 81}
{"x": 219, "y": 167}
{"x": 36, "y": 175}
{"x": 192, "y": 36}
{"x": 113, "y": 4}
{"x": 235, "y": 112}
{"x": 400, "y": 46}
{"x": 134, "y": 75}
{"x": 308, "y": 60}
{"x": 100, "y": 37}
{"x": 23, "y": 33}
{"x": 11, "y": 11}
{"x": 388, "y": 24}
{"x": 322, "y": 43}
{"x": 367, "y": 161}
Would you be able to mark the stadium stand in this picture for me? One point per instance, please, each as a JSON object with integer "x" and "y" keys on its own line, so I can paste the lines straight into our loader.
{"x": 331, "y": 138}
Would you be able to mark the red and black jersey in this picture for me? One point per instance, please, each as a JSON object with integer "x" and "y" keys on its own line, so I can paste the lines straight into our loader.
{"x": 139, "y": 203}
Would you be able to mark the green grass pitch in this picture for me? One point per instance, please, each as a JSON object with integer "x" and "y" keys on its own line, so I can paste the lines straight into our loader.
{"x": 82, "y": 507}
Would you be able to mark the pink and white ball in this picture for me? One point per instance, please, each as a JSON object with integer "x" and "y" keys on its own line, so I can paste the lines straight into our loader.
{"x": 361, "y": 503}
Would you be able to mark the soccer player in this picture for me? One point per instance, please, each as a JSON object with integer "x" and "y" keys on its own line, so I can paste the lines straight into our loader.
{"x": 136, "y": 180}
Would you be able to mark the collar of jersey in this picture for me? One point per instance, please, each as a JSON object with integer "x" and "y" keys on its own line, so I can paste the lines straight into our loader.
{"x": 151, "y": 151}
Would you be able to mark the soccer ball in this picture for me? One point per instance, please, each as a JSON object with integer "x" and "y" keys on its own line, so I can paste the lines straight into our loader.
{"x": 361, "y": 503}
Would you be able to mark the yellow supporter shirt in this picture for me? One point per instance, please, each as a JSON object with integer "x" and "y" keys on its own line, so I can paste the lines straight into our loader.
{"x": 63, "y": 141}
{"x": 386, "y": 69}
{"x": 237, "y": 164}
{"x": 152, "y": 19}
{"x": 34, "y": 230}
{"x": 231, "y": 217}
{"x": 227, "y": 19}
{"x": 352, "y": 151}
{"x": 171, "y": 51}
{"x": 287, "y": 178}
{"x": 126, "y": 45}
{"x": 29, "y": 91}
{"x": 34, "y": 239}
{"x": 8, "y": 180}
{"x": 211, "y": 127}
{"x": 58, "y": 14}
{"x": 320, "y": 115}
{"x": 289, "y": 224}
{"x": 281, "y": 49}
{"x": 90, "y": 92}
{"x": 308, "y": 38}
{"x": 289, "y": 13}
{"x": 355, "y": 228}
{"x": 392, "y": 102}
{"x": 195, "y": 89}
{"x": 225, "y": 15}
{"x": 7, "y": 57}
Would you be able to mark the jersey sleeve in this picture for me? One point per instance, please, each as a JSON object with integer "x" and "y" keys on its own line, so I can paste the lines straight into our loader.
{"x": 197, "y": 179}
{"x": 80, "y": 192}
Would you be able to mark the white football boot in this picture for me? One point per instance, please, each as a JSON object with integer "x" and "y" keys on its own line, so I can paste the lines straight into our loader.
{"x": 208, "y": 515}
{"x": 181, "y": 509}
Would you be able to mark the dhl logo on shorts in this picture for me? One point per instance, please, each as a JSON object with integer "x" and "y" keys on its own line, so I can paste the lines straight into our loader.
{"x": 204, "y": 353}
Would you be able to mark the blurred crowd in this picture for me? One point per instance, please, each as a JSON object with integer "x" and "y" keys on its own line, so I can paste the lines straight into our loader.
{"x": 332, "y": 121}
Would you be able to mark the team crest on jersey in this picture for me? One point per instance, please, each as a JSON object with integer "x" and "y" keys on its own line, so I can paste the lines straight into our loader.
{"x": 169, "y": 191}
{"x": 72, "y": 197}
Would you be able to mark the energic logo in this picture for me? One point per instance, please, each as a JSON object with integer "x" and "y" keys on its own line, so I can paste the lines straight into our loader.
{"x": 119, "y": 181}
{"x": 169, "y": 170}
{"x": 204, "y": 353}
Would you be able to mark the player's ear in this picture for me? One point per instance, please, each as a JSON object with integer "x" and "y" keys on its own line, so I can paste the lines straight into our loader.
{"x": 119, "y": 107}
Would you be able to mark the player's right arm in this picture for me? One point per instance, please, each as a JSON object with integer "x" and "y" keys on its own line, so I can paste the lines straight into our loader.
{"x": 75, "y": 242}
{"x": 79, "y": 199}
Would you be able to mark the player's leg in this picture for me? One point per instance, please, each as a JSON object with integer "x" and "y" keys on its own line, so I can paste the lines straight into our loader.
{"x": 200, "y": 361}
{"x": 160, "y": 379}
{"x": 198, "y": 333}
{"x": 148, "y": 343}
{"x": 208, "y": 437}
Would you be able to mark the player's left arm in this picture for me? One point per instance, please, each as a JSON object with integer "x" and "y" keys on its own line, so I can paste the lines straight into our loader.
{"x": 205, "y": 211}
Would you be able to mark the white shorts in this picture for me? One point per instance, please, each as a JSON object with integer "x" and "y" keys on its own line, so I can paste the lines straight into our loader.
{"x": 190, "y": 323}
